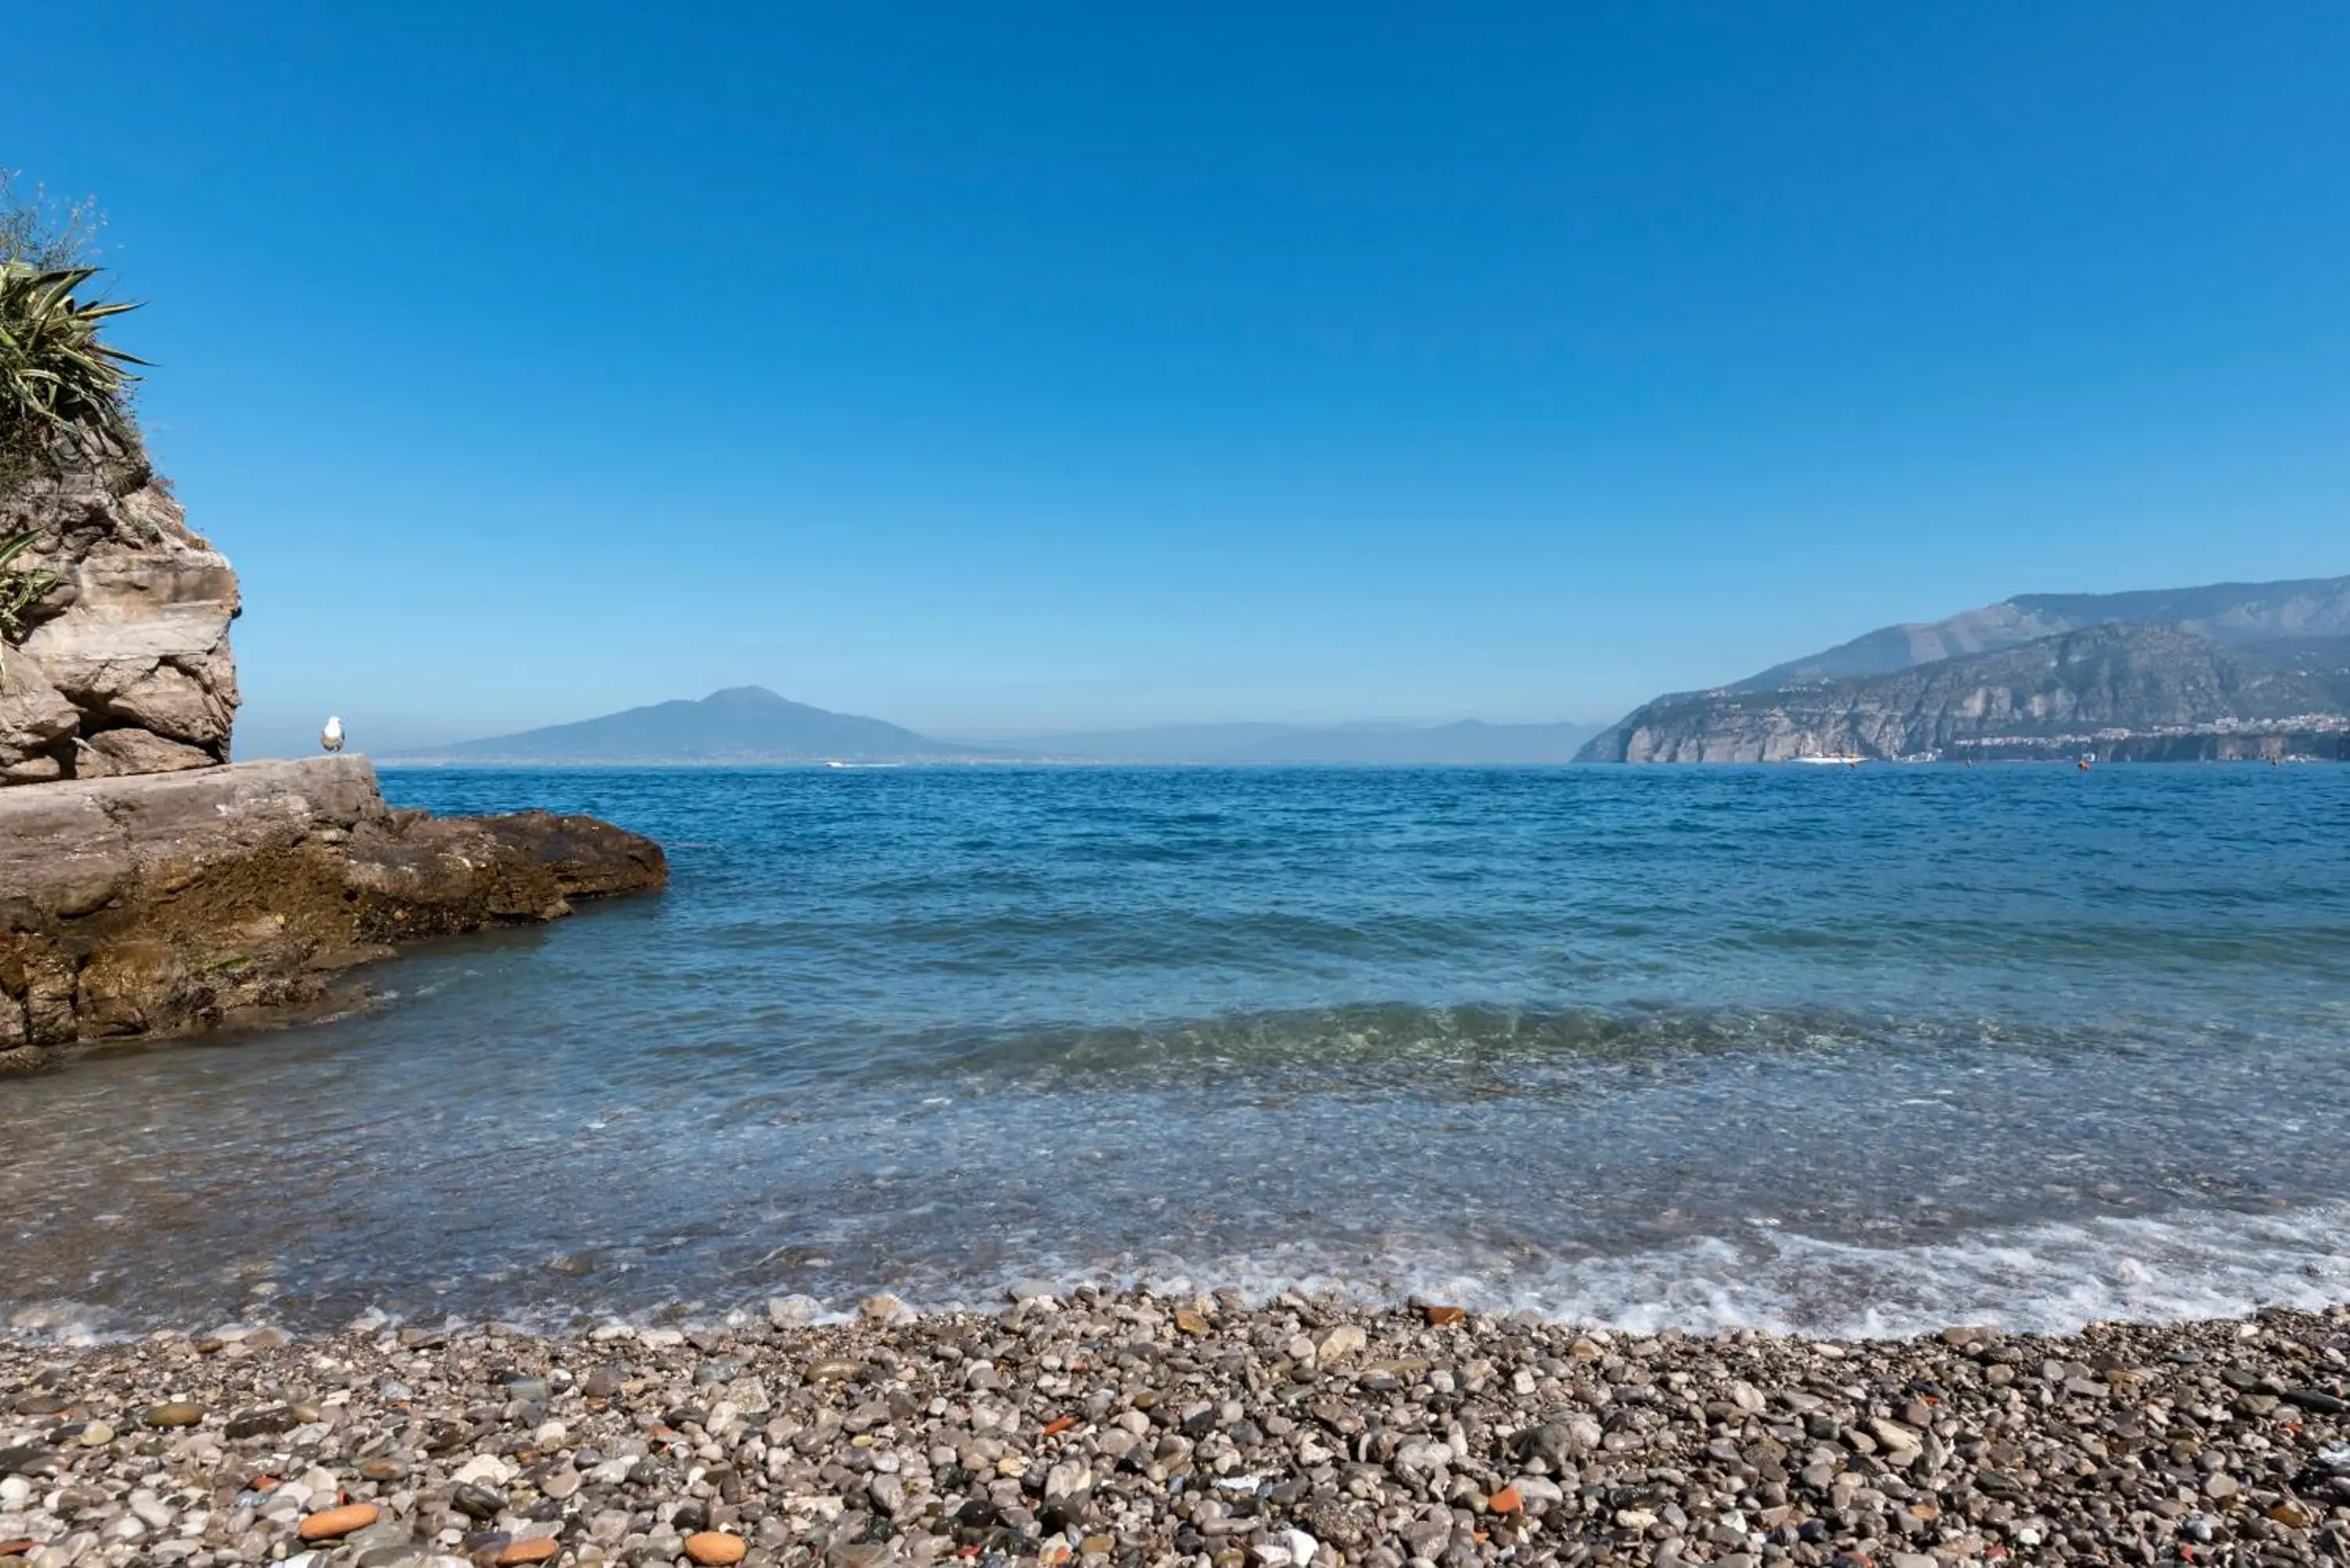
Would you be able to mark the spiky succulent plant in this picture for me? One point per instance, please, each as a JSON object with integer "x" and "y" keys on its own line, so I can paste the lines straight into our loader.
{"x": 20, "y": 586}
{"x": 58, "y": 377}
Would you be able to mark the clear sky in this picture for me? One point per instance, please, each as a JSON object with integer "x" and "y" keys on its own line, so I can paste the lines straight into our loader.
{"x": 1006, "y": 366}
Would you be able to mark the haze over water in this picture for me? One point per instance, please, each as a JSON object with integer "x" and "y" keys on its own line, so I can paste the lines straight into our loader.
{"x": 1855, "y": 1052}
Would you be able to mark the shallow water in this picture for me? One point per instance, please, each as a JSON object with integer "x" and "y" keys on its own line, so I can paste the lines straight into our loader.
{"x": 1857, "y": 1052}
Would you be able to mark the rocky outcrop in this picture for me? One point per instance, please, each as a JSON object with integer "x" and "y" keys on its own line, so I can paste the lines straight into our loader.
{"x": 126, "y": 667}
{"x": 172, "y": 904}
{"x": 2123, "y": 691}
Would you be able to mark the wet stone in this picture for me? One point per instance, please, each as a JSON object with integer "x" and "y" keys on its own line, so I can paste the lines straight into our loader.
{"x": 383, "y": 1532}
{"x": 477, "y": 1503}
{"x": 267, "y": 1420}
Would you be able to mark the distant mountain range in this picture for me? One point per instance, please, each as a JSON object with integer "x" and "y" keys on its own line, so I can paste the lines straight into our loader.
{"x": 2224, "y": 612}
{"x": 2230, "y": 670}
{"x": 739, "y": 724}
{"x": 753, "y": 724}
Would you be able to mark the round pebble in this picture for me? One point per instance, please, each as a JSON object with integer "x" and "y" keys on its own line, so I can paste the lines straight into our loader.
{"x": 714, "y": 1549}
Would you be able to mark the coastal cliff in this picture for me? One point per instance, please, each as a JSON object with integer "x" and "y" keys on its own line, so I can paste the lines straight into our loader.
{"x": 124, "y": 664}
{"x": 2128, "y": 691}
{"x": 175, "y": 903}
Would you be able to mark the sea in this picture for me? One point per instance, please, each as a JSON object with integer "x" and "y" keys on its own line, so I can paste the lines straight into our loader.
{"x": 1853, "y": 1052}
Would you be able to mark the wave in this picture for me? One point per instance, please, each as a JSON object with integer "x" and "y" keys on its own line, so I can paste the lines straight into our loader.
{"x": 1371, "y": 1047}
{"x": 2045, "y": 1278}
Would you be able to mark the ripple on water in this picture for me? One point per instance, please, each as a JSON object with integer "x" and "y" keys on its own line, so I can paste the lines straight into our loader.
{"x": 1862, "y": 1052}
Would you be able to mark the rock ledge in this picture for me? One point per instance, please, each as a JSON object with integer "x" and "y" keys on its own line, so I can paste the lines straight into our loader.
{"x": 170, "y": 904}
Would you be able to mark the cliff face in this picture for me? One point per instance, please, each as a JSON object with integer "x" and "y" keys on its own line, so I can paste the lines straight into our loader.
{"x": 2151, "y": 691}
{"x": 126, "y": 667}
{"x": 136, "y": 908}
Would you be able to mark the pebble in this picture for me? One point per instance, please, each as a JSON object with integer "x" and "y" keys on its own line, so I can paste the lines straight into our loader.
{"x": 1100, "y": 1428}
{"x": 1346, "y": 1339}
{"x": 179, "y": 1413}
{"x": 334, "y": 1523}
{"x": 383, "y": 1532}
{"x": 713, "y": 1549}
{"x": 476, "y": 1503}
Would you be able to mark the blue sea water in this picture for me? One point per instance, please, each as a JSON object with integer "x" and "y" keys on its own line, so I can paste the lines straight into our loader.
{"x": 1855, "y": 1052}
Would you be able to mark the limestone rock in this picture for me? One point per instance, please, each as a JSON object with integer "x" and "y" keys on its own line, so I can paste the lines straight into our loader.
{"x": 2136, "y": 692}
{"x": 36, "y": 720}
{"x": 172, "y": 903}
{"x": 134, "y": 639}
{"x": 171, "y": 702}
{"x": 115, "y": 754}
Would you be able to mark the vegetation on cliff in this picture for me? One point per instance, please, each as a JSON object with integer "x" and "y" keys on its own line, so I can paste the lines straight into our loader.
{"x": 61, "y": 380}
{"x": 114, "y": 614}
{"x": 62, "y": 386}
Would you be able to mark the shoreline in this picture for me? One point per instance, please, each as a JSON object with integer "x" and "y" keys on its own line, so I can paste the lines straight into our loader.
{"x": 1098, "y": 1427}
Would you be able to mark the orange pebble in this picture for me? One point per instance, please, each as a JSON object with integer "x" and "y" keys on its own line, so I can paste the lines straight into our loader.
{"x": 334, "y": 1523}
{"x": 715, "y": 1549}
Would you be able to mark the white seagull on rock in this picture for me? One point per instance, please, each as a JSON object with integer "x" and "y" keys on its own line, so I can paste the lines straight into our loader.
{"x": 331, "y": 737}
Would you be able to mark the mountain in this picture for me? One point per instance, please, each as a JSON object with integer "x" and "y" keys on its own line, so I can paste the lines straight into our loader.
{"x": 742, "y": 723}
{"x": 2227, "y": 612}
{"x": 751, "y": 724}
{"x": 2149, "y": 690}
{"x": 1469, "y": 742}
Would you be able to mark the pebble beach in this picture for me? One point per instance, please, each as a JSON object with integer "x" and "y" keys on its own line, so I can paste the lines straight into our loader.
{"x": 1093, "y": 1428}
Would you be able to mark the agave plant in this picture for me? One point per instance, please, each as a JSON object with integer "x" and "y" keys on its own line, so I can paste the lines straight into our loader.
{"x": 20, "y": 586}
{"x": 56, "y": 377}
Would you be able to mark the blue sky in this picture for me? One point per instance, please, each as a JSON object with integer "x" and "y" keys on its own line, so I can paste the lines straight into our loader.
{"x": 1011, "y": 368}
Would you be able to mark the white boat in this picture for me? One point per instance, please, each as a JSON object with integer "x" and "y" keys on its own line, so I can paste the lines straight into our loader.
{"x": 1830, "y": 762}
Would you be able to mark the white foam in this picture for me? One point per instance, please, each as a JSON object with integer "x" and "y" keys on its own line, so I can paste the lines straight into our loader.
{"x": 2049, "y": 1278}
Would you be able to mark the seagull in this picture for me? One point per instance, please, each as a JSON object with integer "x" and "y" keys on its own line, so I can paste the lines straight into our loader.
{"x": 331, "y": 737}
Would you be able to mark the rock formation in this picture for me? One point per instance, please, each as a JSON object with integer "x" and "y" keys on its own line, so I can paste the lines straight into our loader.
{"x": 2152, "y": 692}
{"x": 125, "y": 668}
{"x": 172, "y": 904}
{"x": 2231, "y": 613}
